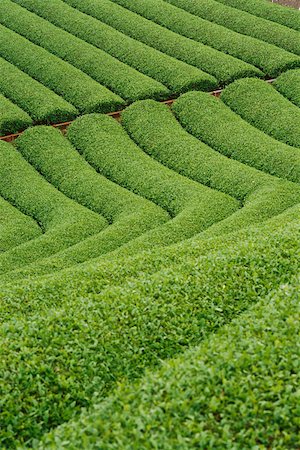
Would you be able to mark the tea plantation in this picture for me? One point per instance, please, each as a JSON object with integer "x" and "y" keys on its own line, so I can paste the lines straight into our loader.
{"x": 149, "y": 266}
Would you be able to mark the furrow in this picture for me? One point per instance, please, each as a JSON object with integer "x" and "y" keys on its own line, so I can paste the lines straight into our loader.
{"x": 42, "y": 104}
{"x": 99, "y": 65}
{"x": 224, "y": 68}
{"x": 244, "y": 23}
{"x": 176, "y": 75}
{"x": 72, "y": 84}
{"x": 267, "y": 10}
{"x": 270, "y": 59}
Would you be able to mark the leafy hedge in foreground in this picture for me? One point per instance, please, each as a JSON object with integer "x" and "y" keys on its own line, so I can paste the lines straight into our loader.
{"x": 73, "y": 85}
{"x": 176, "y": 75}
{"x": 243, "y": 22}
{"x": 223, "y": 67}
{"x": 262, "y": 106}
{"x": 15, "y": 227}
{"x": 42, "y": 104}
{"x": 270, "y": 59}
{"x": 115, "y": 75}
{"x": 238, "y": 389}
{"x": 157, "y": 132}
{"x": 267, "y": 10}
{"x": 288, "y": 84}
{"x": 80, "y": 349}
{"x": 62, "y": 221}
{"x": 212, "y": 122}
{"x": 12, "y": 117}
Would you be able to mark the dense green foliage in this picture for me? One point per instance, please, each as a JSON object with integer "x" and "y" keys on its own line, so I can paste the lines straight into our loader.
{"x": 72, "y": 84}
{"x": 212, "y": 122}
{"x": 262, "y": 106}
{"x": 128, "y": 215}
{"x": 149, "y": 267}
{"x": 243, "y": 22}
{"x": 42, "y": 104}
{"x": 99, "y": 56}
{"x": 288, "y": 84}
{"x": 267, "y": 10}
{"x": 80, "y": 349}
{"x": 15, "y": 227}
{"x": 62, "y": 221}
{"x": 98, "y": 64}
{"x": 223, "y": 67}
{"x": 192, "y": 207}
{"x": 12, "y": 117}
{"x": 211, "y": 396}
{"x": 176, "y": 75}
{"x": 155, "y": 129}
{"x": 270, "y": 59}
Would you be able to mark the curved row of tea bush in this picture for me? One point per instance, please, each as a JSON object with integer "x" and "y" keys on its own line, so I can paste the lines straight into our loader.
{"x": 153, "y": 127}
{"x": 262, "y": 106}
{"x": 72, "y": 84}
{"x": 102, "y": 67}
{"x": 15, "y": 227}
{"x": 128, "y": 214}
{"x": 210, "y": 394}
{"x": 176, "y": 75}
{"x": 267, "y": 10}
{"x": 42, "y": 104}
{"x": 80, "y": 349}
{"x": 270, "y": 59}
{"x": 288, "y": 84}
{"x": 223, "y": 67}
{"x": 193, "y": 207}
{"x": 211, "y": 121}
{"x": 12, "y": 117}
{"x": 63, "y": 221}
{"x": 243, "y": 22}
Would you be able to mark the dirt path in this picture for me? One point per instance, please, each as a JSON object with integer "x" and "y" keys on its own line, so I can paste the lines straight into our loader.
{"x": 292, "y": 3}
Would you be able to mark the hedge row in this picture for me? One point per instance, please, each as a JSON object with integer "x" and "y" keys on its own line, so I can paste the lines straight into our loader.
{"x": 42, "y": 104}
{"x": 15, "y": 227}
{"x": 238, "y": 389}
{"x": 270, "y": 59}
{"x": 193, "y": 207}
{"x": 176, "y": 75}
{"x": 72, "y": 84}
{"x": 212, "y": 122}
{"x": 244, "y": 23}
{"x": 129, "y": 215}
{"x": 267, "y": 10}
{"x": 153, "y": 127}
{"x": 12, "y": 117}
{"x": 115, "y": 75}
{"x": 63, "y": 221}
{"x": 262, "y": 106}
{"x": 288, "y": 84}
{"x": 82, "y": 341}
{"x": 223, "y": 67}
